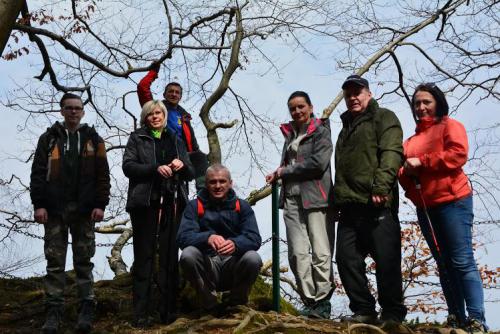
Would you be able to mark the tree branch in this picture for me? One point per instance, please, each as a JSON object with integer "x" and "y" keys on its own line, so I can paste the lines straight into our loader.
{"x": 213, "y": 139}
{"x": 401, "y": 81}
{"x": 115, "y": 261}
{"x": 390, "y": 46}
{"x": 77, "y": 51}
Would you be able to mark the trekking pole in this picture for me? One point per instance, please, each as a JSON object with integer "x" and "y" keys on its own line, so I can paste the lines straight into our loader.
{"x": 418, "y": 186}
{"x": 176, "y": 195}
{"x": 163, "y": 189}
{"x": 171, "y": 283}
{"x": 170, "y": 255}
{"x": 440, "y": 261}
{"x": 155, "y": 245}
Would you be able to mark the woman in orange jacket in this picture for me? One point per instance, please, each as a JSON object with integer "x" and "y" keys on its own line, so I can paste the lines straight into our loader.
{"x": 434, "y": 181}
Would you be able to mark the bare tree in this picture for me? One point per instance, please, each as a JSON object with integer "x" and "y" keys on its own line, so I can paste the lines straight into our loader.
{"x": 82, "y": 47}
{"x": 101, "y": 50}
{"x": 9, "y": 10}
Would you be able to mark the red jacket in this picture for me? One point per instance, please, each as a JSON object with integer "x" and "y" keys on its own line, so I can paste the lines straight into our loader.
{"x": 145, "y": 95}
{"x": 442, "y": 148}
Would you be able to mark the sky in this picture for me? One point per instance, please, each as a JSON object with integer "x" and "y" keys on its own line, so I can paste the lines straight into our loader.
{"x": 267, "y": 94}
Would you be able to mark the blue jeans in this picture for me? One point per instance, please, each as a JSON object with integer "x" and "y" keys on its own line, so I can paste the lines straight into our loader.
{"x": 458, "y": 274}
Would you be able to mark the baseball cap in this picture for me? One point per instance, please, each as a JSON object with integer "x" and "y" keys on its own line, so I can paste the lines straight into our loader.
{"x": 357, "y": 80}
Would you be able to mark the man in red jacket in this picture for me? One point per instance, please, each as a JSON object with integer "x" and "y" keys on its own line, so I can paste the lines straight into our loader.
{"x": 178, "y": 120}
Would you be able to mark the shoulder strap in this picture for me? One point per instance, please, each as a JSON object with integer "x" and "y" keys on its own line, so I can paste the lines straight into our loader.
{"x": 51, "y": 144}
{"x": 201, "y": 209}
{"x": 94, "y": 137}
{"x": 52, "y": 136}
{"x": 187, "y": 135}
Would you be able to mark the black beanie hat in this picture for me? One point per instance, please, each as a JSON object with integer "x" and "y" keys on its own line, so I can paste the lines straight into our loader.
{"x": 442, "y": 107}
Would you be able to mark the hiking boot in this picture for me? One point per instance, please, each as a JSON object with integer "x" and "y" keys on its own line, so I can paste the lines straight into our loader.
{"x": 142, "y": 323}
{"x": 306, "y": 310}
{"x": 85, "y": 317}
{"x": 394, "y": 327}
{"x": 167, "y": 318}
{"x": 476, "y": 327}
{"x": 54, "y": 315}
{"x": 360, "y": 318}
{"x": 452, "y": 321}
{"x": 321, "y": 310}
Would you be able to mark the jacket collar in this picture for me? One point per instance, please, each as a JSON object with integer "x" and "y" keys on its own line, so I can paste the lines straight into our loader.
{"x": 426, "y": 122}
{"x": 314, "y": 123}
{"x": 185, "y": 115}
{"x": 229, "y": 202}
{"x": 58, "y": 128}
{"x": 144, "y": 131}
{"x": 369, "y": 112}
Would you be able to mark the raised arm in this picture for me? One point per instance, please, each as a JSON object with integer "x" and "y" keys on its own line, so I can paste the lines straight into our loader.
{"x": 144, "y": 87}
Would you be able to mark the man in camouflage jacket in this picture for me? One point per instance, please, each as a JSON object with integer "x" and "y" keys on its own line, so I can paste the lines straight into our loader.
{"x": 69, "y": 189}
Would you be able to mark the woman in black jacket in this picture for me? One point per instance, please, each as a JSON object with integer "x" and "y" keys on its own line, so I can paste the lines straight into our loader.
{"x": 157, "y": 166}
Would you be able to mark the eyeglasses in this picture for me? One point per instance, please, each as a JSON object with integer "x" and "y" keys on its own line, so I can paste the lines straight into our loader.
{"x": 70, "y": 108}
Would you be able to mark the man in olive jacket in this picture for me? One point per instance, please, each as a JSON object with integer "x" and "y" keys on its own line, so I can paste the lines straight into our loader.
{"x": 368, "y": 155}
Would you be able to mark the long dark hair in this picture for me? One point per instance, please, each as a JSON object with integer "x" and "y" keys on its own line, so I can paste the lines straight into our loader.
{"x": 442, "y": 107}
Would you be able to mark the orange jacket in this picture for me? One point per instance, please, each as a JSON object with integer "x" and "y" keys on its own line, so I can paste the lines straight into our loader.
{"x": 442, "y": 148}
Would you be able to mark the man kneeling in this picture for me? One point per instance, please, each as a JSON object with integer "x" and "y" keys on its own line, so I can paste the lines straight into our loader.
{"x": 219, "y": 238}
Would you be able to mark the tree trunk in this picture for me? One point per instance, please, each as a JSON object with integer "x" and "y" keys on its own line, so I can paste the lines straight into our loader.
{"x": 9, "y": 10}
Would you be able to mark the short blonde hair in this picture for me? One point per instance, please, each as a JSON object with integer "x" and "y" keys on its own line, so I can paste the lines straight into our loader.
{"x": 148, "y": 109}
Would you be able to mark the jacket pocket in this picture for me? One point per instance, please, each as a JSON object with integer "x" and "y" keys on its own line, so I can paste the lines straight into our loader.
{"x": 435, "y": 188}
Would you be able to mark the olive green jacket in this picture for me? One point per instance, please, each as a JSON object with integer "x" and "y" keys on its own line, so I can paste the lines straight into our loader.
{"x": 368, "y": 155}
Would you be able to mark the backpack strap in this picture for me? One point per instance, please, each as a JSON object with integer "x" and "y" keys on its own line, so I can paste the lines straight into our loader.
{"x": 94, "y": 137}
{"x": 237, "y": 207}
{"x": 51, "y": 144}
{"x": 51, "y": 150}
{"x": 201, "y": 209}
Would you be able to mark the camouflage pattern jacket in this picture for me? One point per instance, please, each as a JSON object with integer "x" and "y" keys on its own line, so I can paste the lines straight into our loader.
{"x": 47, "y": 177}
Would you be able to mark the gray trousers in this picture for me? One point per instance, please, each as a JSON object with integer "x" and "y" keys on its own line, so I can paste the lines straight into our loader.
{"x": 208, "y": 274}
{"x": 55, "y": 247}
{"x": 310, "y": 237}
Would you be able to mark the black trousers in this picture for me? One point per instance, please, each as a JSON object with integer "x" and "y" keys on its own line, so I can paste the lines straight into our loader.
{"x": 149, "y": 238}
{"x": 364, "y": 230}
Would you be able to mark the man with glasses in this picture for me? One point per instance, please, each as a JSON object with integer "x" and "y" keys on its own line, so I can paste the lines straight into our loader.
{"x": 69, "y": 189}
